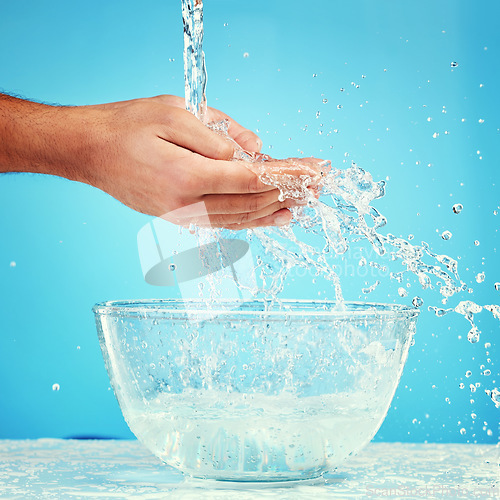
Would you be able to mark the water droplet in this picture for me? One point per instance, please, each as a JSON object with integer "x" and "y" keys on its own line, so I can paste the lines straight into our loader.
{"x": 472, "y": 388}
{"x": 435, "y": 135}
{"x": 414, "y": 421}
{"x": 457, "y": 208}
{"x": 410, "y": 237}
{"x": 144, "y": 344}
{"x": 446, "y": 235}
{"x": 473, "y": 415}
{"x": 487, "y": 372}
{"x": 246, "y": 54}
{"x": 402, "y": 292}
{"x": 476, "y": 242}
{"x": 13, "y": 263}
{"x": 225, "y": 24}
{"x": 342, "y": 89}
{"x": 461, "y": 385}
{"x": 468, "y": 373}
{"x": 497, "y": 286}
{"x": 473, "y": 335}
{"x": 55, "y": 387}
{"x": 453, "y": 64}
{"x": 172, "y": 267}
{"x": 417, "y": 301}
{"x": 325, "y": 101}
{"x": 339, "y": 106}
{"x": 480, "y": 277}
{"x": 314, "y": 75}
{"x": 481, "y": 120}
{"x": 362, "y": 262}
{"x": 429, "y": 119}
{"x": 462, "y": 431}
{"x": 171, "y": 59}
{"x": 318, "y": 114}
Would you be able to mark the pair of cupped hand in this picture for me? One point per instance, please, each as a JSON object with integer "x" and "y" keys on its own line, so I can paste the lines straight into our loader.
{"x": 157, "y": 158}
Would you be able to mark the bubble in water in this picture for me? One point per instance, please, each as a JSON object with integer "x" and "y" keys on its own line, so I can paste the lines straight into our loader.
{"x": 172, "y": 267}
{"x": 417, "y": 301}
{"x": 497, "y": 286}
{"x": 245, "y": 54}
{"x": 446, "y": 235}
{"x": 56, "y": 387}
{"x": 480, "y": 277}
{"x": 325, "y": 101}
{"x": 402, "y": 292}
{"x": 453, "y": 64}
{"x": 457, "y": 208}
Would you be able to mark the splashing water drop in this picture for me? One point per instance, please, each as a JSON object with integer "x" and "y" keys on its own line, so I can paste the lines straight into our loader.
{"x": 473, "y": 335}
{"x": 315, "y": 75}
{"x": 56, "y": 387}
{"x": 417, "y": 301}
{"x": 172, "y": 267}
{"x": 402, "y": 292}
{"x": 454, "y": 64}
{"x": 339, "y": 106}
{"x": 477, "y": 243}
{"x": 446, "y": 235}
{"x": 480, "y": 277}
{"x": 246, "y": 55}
{"x": 457, "y": 208}
{"x": 468, "y": 373}
{"x": 325, "y": 101}
{"x": 497, "y": 286}
{"x": 462, "y": 431}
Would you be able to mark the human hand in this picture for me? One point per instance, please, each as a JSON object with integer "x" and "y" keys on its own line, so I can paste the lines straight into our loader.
{"x": 155, "y": 157}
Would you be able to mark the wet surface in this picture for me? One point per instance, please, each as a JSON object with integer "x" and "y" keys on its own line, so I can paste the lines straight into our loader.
{"x": 73, "y": 469}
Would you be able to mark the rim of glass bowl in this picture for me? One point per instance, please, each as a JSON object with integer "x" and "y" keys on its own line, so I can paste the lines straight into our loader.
{"x": 289, "y": 307}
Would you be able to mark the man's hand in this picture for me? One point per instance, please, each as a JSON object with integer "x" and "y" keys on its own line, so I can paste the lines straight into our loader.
{"x": 150, "y": 154}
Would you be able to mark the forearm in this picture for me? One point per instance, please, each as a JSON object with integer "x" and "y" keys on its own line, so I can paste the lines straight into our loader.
{"x": 44, "y": 139}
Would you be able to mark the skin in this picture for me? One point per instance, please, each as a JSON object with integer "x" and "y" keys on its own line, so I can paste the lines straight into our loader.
{"x": 150, "y": 154}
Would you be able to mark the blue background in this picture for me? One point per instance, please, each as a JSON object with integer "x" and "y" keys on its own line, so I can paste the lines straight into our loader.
{"x": 74, "y": 245}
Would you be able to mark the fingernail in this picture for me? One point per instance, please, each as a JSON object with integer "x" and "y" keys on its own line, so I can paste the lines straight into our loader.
{"x": 281, "y": 219}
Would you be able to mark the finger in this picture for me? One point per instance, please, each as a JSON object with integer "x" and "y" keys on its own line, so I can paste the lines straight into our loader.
{"x": 239, "y": 203}
{"x": 185, "y": 130}
{"x": 280, "y": 218}
{"x": 299, "y": 172}
{"x": 227, "y": 177}
{"x": 244, "y": 137}
{"x": 223, "y": 220}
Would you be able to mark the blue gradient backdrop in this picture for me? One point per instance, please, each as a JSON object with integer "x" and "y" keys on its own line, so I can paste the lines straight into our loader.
{"x": 74, "y": 245}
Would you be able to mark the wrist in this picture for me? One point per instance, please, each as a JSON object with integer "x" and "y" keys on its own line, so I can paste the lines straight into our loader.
{"x": 41, "y": 138}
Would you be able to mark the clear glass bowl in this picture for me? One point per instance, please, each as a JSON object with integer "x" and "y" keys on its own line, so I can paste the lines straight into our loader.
{"x": 249, "y": 392}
